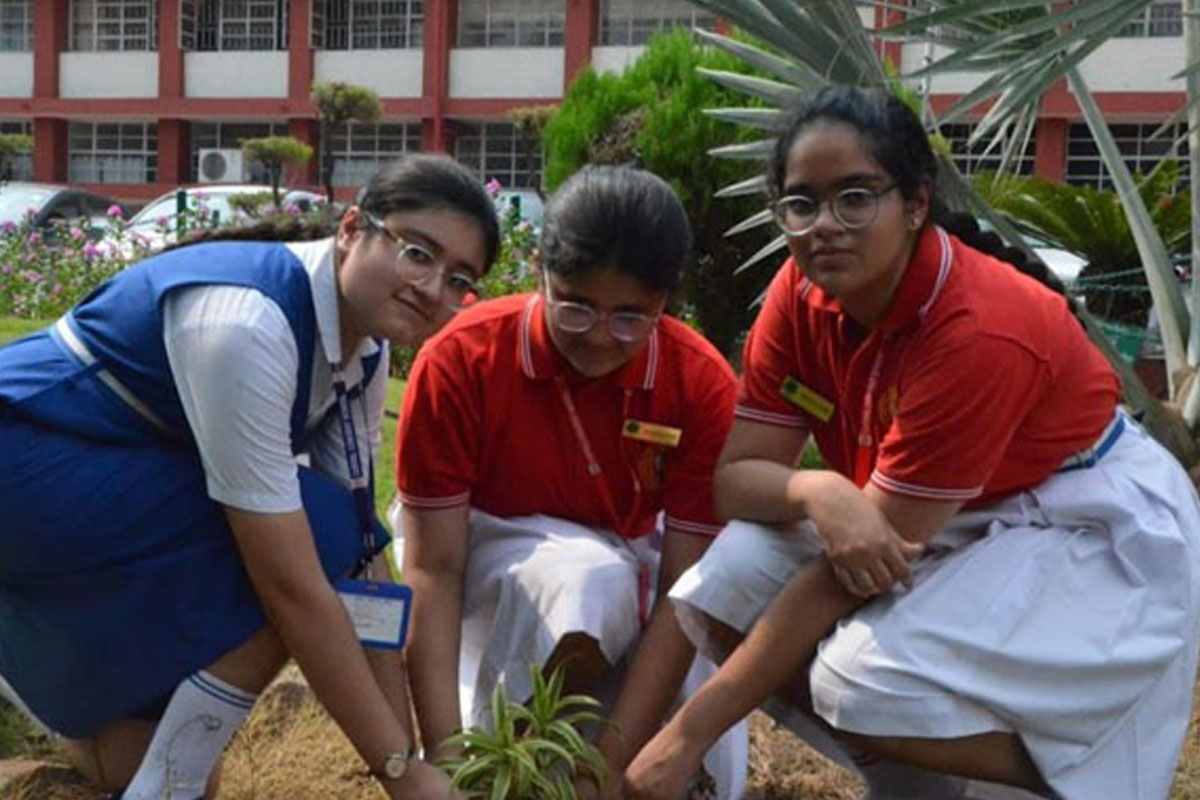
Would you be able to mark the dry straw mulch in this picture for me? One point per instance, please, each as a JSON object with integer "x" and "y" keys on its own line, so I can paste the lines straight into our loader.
{"x": 289, "y": 749}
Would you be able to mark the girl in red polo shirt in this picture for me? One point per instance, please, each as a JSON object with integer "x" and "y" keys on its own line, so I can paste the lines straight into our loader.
{"x": 996, "y": 576}
{"x": 543, "y": 441}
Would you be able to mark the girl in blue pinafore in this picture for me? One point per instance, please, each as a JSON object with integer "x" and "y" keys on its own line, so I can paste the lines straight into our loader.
{"x": 162, "y": 553}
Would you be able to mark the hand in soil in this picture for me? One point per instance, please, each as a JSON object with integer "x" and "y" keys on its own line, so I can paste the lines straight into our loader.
{"x": 423, "y": 781}
{"x": 664, "y": 768}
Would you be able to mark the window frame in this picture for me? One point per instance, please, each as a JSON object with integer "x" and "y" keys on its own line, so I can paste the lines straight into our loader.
{"x": 632, "y": 23}
{"x": 90, "y": 26}
{"x": 511, "y": 24}
{"x": 16, "y": 31}
{"x": 79, "y": 171}
{"x": 483, "y": 146}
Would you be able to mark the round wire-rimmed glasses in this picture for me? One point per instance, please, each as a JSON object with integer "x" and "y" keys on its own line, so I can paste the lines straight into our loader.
{"x": 627, "y": 327}
{"x": 854, "y": 209}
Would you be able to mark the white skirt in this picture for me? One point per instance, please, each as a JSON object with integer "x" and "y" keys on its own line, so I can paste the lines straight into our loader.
{"x": 1067, "y": 614}
{"x": 532, "y": 580}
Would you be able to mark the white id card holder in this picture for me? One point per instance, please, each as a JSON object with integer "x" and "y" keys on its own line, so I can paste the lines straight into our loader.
{"x": 379, "y": 611}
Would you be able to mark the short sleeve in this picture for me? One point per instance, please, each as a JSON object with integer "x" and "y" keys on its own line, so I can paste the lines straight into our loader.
{"x": 688, "y": 497}
{"x": 438, "y": 435}
{"x": 769, "y": 356}
{"x": 234, "y": 360}
{"x": 958, "y": 409}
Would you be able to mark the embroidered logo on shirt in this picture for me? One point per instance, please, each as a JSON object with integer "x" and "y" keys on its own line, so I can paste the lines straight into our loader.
{"x": 885, "y": 409}
{"x": 649, "y": 432}
{"x": 800, "y": 395}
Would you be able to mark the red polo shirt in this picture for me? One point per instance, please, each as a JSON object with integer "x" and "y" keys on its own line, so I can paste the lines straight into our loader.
{"x": 484, "y": 421}
{"x": 977, "y": 383}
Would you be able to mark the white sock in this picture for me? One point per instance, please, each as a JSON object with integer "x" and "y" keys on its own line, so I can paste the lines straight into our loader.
{"x": 203, "y": 714}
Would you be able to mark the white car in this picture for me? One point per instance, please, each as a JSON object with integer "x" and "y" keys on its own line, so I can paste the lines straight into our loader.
{"x": 207, "y": 205}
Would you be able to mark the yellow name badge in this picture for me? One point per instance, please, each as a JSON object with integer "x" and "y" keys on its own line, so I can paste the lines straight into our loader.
{"x": 804, "y": 397}
{"x": 649, "y": 432}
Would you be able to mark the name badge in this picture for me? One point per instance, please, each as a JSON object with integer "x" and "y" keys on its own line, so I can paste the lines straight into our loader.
{"x": 379, "y": 611}
{"x": 799, "y": 394}
{"x": 655, "y": 434}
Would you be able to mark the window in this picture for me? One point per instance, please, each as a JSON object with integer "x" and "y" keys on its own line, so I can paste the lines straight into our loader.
{"x": 20, "y": 165}
{"x": 497, "y": 150}
{"x": 114, "y": 25}
{"x": 112, "y": 152}
{"x": 16, "y": 26}
{"x": 976, "y": 158}
{"x": 1141, "y": 153}
{"x": 360, "y": 150}
{"x": 234, "y": 24}
{"x": 511, "y": 23}
{"x": 368, "y": 24}
{"x": 633, "y": 22}
{"x": 1160, "y": 18}
{"x": 230, "y": 135}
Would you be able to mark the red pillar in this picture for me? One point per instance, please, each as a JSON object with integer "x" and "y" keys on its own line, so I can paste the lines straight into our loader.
{"x": 174, "y": 152}
{"x": 440, "y": 17}
{"x": 49, "y": 135}
{"x": 889, "y": 50}
{"x": 581, "y": 30}
{"x": 306, "y": 130}
{"x": 170, "y": 54}
{"x": 1050, "y": 149}
{"x": 300, "y": 53}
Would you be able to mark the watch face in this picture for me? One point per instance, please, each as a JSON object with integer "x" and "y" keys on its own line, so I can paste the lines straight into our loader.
{"x": 395, "y": 766}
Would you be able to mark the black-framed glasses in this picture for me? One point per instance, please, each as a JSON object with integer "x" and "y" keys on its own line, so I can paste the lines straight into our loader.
{"x": 626, "y": 327}
{"x": 854, "y": 209}
{"x": 422, "y": 265}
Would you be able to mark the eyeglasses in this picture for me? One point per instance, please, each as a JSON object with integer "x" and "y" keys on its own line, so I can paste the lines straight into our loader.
{"x": 626, "y": 327}
{"x": 421, "y": 265}
{"x": 853, "y": 208}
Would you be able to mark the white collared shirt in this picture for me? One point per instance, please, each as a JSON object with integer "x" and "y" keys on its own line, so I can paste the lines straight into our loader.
{"x": 234, "y": 359}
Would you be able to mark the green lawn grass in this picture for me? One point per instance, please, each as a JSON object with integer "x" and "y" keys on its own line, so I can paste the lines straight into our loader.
{"x": 14, "y": 327}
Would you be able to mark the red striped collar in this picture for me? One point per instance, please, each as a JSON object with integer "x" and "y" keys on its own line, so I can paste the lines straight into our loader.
{"x": 924, "y": 279}
{"x": 539, "y": 358}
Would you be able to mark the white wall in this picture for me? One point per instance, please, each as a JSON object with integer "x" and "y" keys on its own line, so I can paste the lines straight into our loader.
{"x": 16, "y": 74}
{"x": 1136, "y": 65}
{"x": 391, "y": 73}
{"x": 225, "y": 74}
{"x": 1120, "y": 65}
{"x": 88, "y": 74}
{"x": 616, "y": 58}
{"x": 506, "y": 72}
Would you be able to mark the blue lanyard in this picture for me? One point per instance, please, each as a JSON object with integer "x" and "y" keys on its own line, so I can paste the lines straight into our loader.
{"x": 359, "y": 482}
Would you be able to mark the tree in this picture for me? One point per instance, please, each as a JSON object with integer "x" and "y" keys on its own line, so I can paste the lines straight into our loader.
{"x": 338, "y": 103}
{"x": 1092, "y": 224}
{"x": 274, "y": 152}
{"x": 653, "y": 114}
{"x": 10, "y": 145}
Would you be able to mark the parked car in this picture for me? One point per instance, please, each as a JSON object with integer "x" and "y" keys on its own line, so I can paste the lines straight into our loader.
{"x": 155, "y": 223}
{"x": 51, "y": 204}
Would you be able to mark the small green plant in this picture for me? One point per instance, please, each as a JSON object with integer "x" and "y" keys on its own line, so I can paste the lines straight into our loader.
{"x": 275, "y": 152}
{"x": 533, "y": 752}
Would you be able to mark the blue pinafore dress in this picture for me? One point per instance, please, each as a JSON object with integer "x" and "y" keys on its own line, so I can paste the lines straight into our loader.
{"x": 119, "y": 576}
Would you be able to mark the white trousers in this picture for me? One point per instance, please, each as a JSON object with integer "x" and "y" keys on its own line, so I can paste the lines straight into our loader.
{"x": 1067, "y": 614}
{"x": 532, "y": 580}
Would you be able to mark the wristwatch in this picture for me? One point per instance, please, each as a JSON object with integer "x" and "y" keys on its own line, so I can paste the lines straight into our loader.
{"x": 395, "y": 765}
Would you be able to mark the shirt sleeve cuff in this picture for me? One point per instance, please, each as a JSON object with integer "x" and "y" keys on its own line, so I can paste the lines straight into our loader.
{"x": 687, "y": 526}
{"x": 894, "y": 486}
{"x": 752, "y": 414}
{"x": 258, "y": 502}
{"x": 434, "y": 503}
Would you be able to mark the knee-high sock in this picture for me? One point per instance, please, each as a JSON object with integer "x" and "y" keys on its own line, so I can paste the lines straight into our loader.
{"x": 201, "y": 717}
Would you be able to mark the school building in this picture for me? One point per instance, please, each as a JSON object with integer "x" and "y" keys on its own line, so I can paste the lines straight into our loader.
{"x": 122, "y": 96}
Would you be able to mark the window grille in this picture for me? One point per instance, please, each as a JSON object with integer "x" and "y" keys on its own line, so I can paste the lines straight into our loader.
{"x": 112, "y": 152}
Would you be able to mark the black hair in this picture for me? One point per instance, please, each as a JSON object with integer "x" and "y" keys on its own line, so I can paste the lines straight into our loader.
{"x": 616, "y": 217}
{"x": 898, "y": 143}
{"x": 409, "y": 183}
{"x": 419, "y": 181}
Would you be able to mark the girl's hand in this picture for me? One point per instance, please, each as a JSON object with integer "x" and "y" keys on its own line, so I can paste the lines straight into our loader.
{"x": 663, "y": 768}
{"x": 868, "y": 556}
{"x": 422, "y": 781}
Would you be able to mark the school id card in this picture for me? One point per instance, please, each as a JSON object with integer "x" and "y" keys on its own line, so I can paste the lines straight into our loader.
{"x": 379, "y": 611}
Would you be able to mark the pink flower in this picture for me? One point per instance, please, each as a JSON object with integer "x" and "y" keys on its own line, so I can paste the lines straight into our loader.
{"x": 162, "y": 221}
{"x": 291, "y": 209}
{"x": 90, "y": 250}
{"x": 77, "y": 234}
{"x": 493, "y": 187}
{"x": 115, "y": 211}
{"x": 31, "y": 276}
{"x": 33, "y": 240}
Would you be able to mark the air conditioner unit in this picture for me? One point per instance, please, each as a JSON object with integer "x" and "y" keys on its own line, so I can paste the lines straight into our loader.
{"x": 221, "y": 166}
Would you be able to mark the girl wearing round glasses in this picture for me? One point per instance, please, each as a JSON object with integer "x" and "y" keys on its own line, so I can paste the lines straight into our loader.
{"x": 540, "y": 440}
{"x": 996, "y": 577}
{"x": 161, "y": 551}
